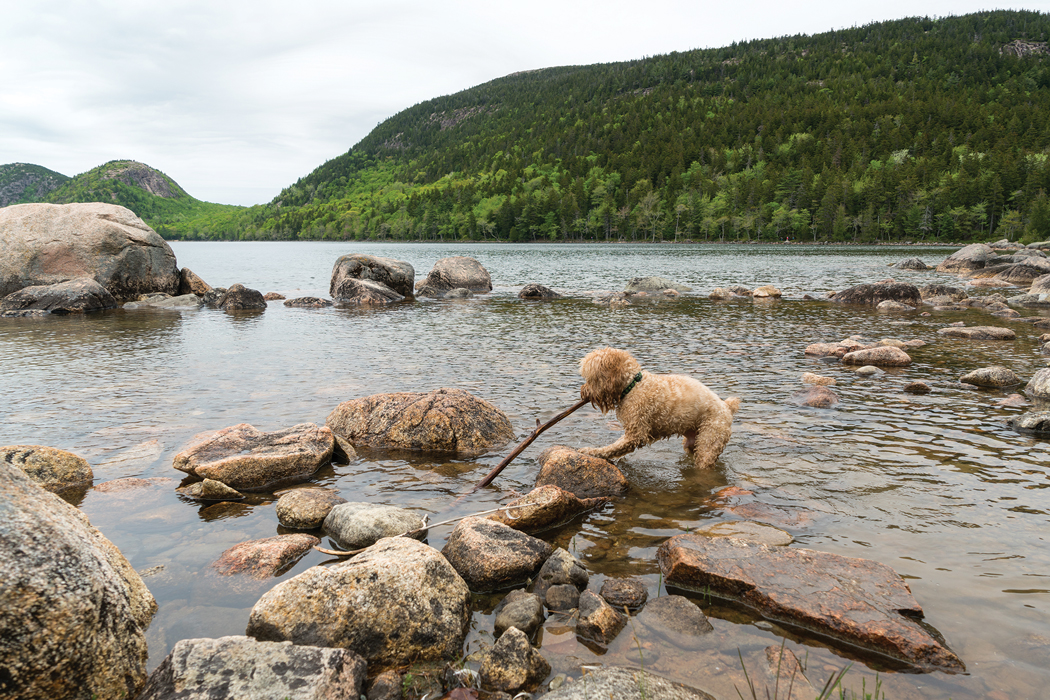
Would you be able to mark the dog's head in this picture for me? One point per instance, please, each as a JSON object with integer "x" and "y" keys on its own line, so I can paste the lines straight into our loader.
{"x": 606, "y": 373}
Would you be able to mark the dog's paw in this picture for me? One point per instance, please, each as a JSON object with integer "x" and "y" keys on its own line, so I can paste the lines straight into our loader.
{"x": 592, "y": 451}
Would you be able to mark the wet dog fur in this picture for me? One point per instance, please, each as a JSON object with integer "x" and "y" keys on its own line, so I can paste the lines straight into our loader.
{"x": 657, "y": 407}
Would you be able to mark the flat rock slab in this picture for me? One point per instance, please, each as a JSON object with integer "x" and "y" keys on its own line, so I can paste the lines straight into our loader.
{"x": 490, "y": 555}
{"x": 306, "y": 509}
{"x": 654, "y": 284}
{"x": 545, "y": 507}
{"x": 625, "y": 684}
{"x": 265, "y": 558}
{"x": 246, "y": 459}
{"x": 77, "y": 296}
{"x": 749, "y": 531}
{"x": 445, "y": 420}
{"x": 677, "y": 619}
{"x": 54, "y": 469}
{"x": 240, "y": 667}
{"x": 582, "y": 475}
{"x": 978, "y": 333}
{"x": 308, "y": 303}
{"x": 874, "y": 294}
{"x": 210, "y": 490}
{"x": 885, "y": 356}
{"x": 857, "y": 601}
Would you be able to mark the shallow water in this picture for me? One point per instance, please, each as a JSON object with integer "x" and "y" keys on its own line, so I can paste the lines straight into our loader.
{"x": 934, "y": 486}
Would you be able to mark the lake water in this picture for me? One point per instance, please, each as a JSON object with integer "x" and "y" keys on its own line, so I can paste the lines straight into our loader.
{"x": 934, "y": 486}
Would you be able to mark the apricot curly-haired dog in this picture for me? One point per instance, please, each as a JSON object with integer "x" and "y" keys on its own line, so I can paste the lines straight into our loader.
{"x": 652, "y": 407}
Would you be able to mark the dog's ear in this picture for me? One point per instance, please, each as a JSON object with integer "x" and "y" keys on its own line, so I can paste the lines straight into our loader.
{"x": 607, "y": 371}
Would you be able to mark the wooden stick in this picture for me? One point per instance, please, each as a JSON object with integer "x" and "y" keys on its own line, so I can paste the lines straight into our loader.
{"x": 528, "y": 441}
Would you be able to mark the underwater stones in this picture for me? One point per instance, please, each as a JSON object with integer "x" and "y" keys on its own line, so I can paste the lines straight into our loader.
{"x": 873, "y": 294}
{"x": 815, "y": 397}
{"x": 458, "y": 293}
{"x": 996, "y": 377}
{"x": 884, "y": 356}
{"x": 306, "y": 509}
{"x": 580, "y": 474}
{"x": 376, "y": 273}
{"x": 749, "y": 531}
{"x": 444, "y": 420}
{"x": 653, "y": 284}
{"x": 210, "y": 490}
{"x": 356, "y": 525}
{"x": 677, "y": 619}
{"x": 537, "y": 291}
{"x": 545, "y": 507}
{"x": 241, "y": 667}
{"x": 855, "y": 600}
{"x": 598, "y": 621}
{"x": 454, "y": 273}
{"x": 53, "y": 469}
{"x": 513, "y": 665}
{"x": 968, "y": 259}
{"x": 308, "y": 303}
{"x": 73, "y": 612}
{"x": 264, "y": 558}
{"x": 562, "y": 597}
{"x": 245, "y": 458}
{"x": 490, "y": 555}
{"x": 241, "y": 298}
{"x": 156, "y": 301}
{"x": 521, "y": 610}
{"x": 75, "y": 296}
{"x": 396, "y": 603}
{"x": 623, "y": 593}
{"x": 978, "y": 333}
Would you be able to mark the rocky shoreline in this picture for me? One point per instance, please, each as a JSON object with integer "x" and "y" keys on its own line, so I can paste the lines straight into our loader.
{"x": 346, "y": 626}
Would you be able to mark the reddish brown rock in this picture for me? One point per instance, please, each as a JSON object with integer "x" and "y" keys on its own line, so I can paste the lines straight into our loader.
{"x": 190, "y": 283}
{"x": 815, "y": 397}
{"x": 857, "y": 601}
{"x": 885, "y": 356}
{"x": 445, "y": 420}
{"x": 545, "y": 507}
{"x": 598, "y": 621}
{"x": 826, "y": 349}
{"x": 623, "y": 593}
{"x": 264, "y": 558}
{"x": 580, "y": 474}
{"x": 978, "y": 333}
{"x": 490, "y": 555}
{"x": 274, "y": 296}
{"x": 917, "y": 388}
{"x": 818, "y": 380}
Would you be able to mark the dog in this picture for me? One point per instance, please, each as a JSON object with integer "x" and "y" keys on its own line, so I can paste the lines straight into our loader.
{"x": 652, "y": 407}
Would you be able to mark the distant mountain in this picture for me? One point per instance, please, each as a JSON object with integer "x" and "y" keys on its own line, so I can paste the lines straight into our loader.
{"x": 915, "y": 129}
{"x": 155, "y": 197}
{"x": 24, "y": 182}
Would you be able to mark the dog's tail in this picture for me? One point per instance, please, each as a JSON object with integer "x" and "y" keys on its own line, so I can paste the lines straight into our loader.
{"x": 733, "y": 404}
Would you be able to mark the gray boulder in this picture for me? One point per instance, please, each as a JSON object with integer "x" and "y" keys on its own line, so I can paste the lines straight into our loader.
{"x": 654, "y": 284}
{"x": 55, "y": 470}
{"x": 396, "y": 603}
{"x": 490, "y": 555}
{"x": 537, "y": 291}
{"x": 545, "y": 507}
{"x": 240, "y": 667}
{"x": 395, "y": 275}
{"x": 46, "y": 244}
{"x": 354, "y": 292}
{"x": 265, "y": 558}
{"x": 183, "y": 301}
{"x": 76, "y": 296}
{"x": 1038, "y": 386}
{"x": 191, "y": 283}
{"x": 598, "y": 621}
{"x": 677, "y": 619}
{"x": 306, "y": 509}
{"x": 73, "y": 613}
{"x": 996, "y": 377}
{"x": 973, "y": 257}
{"x": 562, "y": 596}
{"x": 512, "y": 665}
{"x": 913, "y": 264}
{"x": 519, "y": 609}
{"x": 356, "y": 525}
{"x": 614, "y": 683}
{"x": 209, "y": 490}
{"x": 580, "y": 474}
{"x": 978, "y": 332}
{"x": 623, "y": 593}
{"x": 453, "y": 273}
{"x": 873, "y": 294}
{"x": 241, "y": 298}
{"x": 560, "y": 568}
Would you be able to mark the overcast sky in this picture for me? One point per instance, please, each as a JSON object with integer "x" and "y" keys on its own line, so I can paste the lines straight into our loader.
{"x": 237, "y": 99}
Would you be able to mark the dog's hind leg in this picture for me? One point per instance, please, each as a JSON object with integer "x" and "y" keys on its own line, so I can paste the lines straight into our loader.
{"x": 708, "y": 442}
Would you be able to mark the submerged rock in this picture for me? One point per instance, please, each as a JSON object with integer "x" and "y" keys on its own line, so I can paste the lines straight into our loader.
{"x": 677, "y": 619}
{"x": 306, "y": 509}
{"x": 395, "y": 275}
{"x": 815, "y": 397}
{"x": 73, "y": 613}
{"x": 512, "y": 665}
{"x": 545, "y": 507}
{"x": 264, "y": 558}
{"x": 184, "y": 301}
{"x": 537, "y": 291}
{"x": 749, "y": 531}
{"x": 580, "y": 474}
{"x": 445, "y": 420}
{"x": 356, "y": 525}
{"x": 454, "y": 273}
{"x": 308, "y": 303}
{"x": 562, "y": 597}
{"x": 996, "y": 376}
{"x": 978, "y": 333}
{"x": 77, "y": 296}
{"x": 490, "y": 555}
{"x": 245, "y": 458}
{"x": 917, "y": 388}
{"x": 810, "y": 378}
{"x": 653, "y": 284}
{"x": 240, "y": 667}
{"x": 890, "y": 305}
{"x": 766, "y": 292}
{"x": 396, "y": 603}
{"x": 353, "y": 292}
{"x": 275, "y": 296}
{"x": 55, "y": 470}
{"x": 857, "y": 601}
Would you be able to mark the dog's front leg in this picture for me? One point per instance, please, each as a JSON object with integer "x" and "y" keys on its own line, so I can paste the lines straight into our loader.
{"x": 619, "y": 448}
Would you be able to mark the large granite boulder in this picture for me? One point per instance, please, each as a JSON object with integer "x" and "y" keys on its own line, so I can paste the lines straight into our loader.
{"x": 490, "y": 555}
{"x": 76, "y": 296}
{"x": 55, "y": 470}
{"x": 73, "y": 613}
{"x": 1024, "y": 272}
{"x": 395, "y": 275}
{"x": 265, "y": 558}
{"x": 973, "y": 257}
{"x": 247, "y": 459}
{"x": 581, "y": 475}
{"x": 354, "y": 292}
{"x": 457, "y": 272}
{"x": 240, "y": 667}
{"x": 163, "y": 301}
{"x": 873, "y": 294}
{"x": 397, "y": 602}
{"x": 444, "y": 420}
{"x": 1038, "y": 386}
{"x": 518, "y": 609}
{"x": 860, "y": 602}
{"x": 355, "y": 525}
{"x": 45, "y": 244}
{"x": 241, "y": 298}
{"x": 545, "y": 507}
{"x": 942, "y": 290}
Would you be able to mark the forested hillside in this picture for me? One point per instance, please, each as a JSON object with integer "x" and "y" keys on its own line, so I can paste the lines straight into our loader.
{"x": 25, "y": 182}
{"x": 917, "y": 129}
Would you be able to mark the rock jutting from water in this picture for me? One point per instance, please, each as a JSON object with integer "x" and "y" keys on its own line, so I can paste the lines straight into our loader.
{"x": 545, "y": 507}
{"x": 978, "y": 333}
{"x": 306, "y": 509}
{"x": 873, "y": 294}
{"x": 241, "y": 667}
{"x": 248, "y": 459}
{"x": 968, "y": 259}
{"x": 76, "y": 296}
{"x": 490, "y": 555}
{"x": 457, "y": 272}
{"x": 209, "y": 490}
{"x": 444, "y": 420}
{"x": 1035, "y": 423}
{"x": 513, "y": 665}
{"x": 995, "y": 377}
{"x": 857, "y": 601}
{"x": 396, "y": 276}
{"x": 396, "y": 603}
{"x": 623, "y": 593}
{"x": 191, "y": 283}
{"x": 241, "y": 298}
{"x": 580, "y": 474}
{"x": 885, "y": 356}
{"x": 355, "y": 525}
{"x": 266, "y": 558}
{"x": 598, "y": 622}
{"x": 537, "y": 291}
{"x": 815, "y": 397}
{"x": 55, "y": 470}
{"x": 73, "y": 613}
{"x": 913, "y": 264}
{"x": 518, "y": 609}
{"x": 1038, "y": 387}
{"x": 308, "y": 303}
{"x": 654, "y": 284}
{"x": 560, "y": 568}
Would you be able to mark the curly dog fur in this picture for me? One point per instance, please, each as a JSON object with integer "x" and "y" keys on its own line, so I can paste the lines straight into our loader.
{"x": 657, "y": 407}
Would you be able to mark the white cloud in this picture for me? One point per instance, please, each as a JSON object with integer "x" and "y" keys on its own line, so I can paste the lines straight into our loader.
{"x": 236, "y": 100}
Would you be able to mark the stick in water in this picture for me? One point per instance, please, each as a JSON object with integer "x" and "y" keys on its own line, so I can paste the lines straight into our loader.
{"x": 528, "y": 441}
